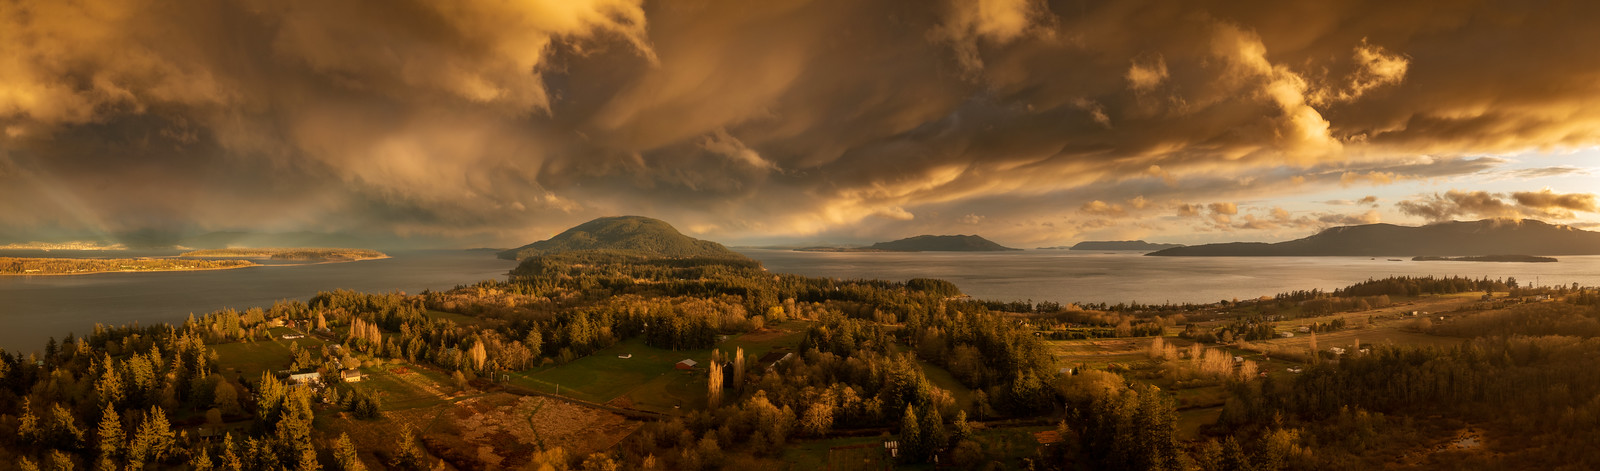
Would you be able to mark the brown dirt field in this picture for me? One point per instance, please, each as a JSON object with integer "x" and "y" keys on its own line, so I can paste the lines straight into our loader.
{"x": 501, "y": 431}
{"x": 1467, "y": 442}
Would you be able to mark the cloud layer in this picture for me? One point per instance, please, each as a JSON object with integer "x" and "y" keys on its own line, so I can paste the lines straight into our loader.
{"x": 499, "y": 123}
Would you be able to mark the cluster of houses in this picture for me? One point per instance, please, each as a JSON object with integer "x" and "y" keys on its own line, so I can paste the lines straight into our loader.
{"x": 314, "y": 379}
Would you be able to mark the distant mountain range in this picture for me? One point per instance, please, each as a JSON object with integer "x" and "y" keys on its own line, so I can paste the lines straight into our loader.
{"x": 1116, "y": 245}
{"x": 1456, "y": 238}
{"x": 924, "y": 243}
{"x": 630, "y": 234}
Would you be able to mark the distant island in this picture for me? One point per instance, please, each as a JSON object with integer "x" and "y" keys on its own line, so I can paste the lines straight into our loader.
{"x": 1118, "y": 245}
{"x": 304, "y": 254}
{"x": 635, "y": 235}
{"x": 85, "y": 266}
{"x": 1456, "y": 238}
{"x": 1487, "y": 258}
{"x": 74, "y": 245}
{"x": 924, "y": 243}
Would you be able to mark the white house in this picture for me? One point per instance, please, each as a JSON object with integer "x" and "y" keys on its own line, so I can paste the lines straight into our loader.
{"x": 306, "y": 378}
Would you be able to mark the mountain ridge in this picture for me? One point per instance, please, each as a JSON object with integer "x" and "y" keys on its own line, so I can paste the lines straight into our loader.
{"x": 1453, "y": 238}
{"x": 1121, "y": 245}
{"x": 637, "y": 235}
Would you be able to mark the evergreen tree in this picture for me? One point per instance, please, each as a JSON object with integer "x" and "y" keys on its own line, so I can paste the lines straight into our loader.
{"x": 294, "y": 431}
{"x": 201, "y": 461}
{"x": 61, "y": 461}
{"x": 28, "y": 424}
{"x": 230, "y": 455}
{"x": 961, "y": 430}
{"x": 152, "y": 441}
{"x": 109, "y": 387}
{"x": 934, "y": 437}
{"x": 111, "y": 437}
{"x": 910, "y": 437}
{"x": 345, "y": 455}
{"x": 64, "y": 431}
{"x": 406, "y": 454}
{"x": 1233, "y": 456}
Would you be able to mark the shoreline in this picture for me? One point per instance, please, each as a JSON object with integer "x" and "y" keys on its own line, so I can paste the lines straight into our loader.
{"x": 101, "y": 272}
{"x": 243, "y": 259}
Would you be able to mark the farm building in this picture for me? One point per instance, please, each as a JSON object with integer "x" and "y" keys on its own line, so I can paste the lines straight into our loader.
{"x": 686, "y": 364}
{"x": 773, "y": 358}
{"x": 306, "y": 378}
{"x": 351, "y": 375}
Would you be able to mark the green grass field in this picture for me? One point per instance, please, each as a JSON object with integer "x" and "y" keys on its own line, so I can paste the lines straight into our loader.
{"x": 944, "y": 380}
{"x": 459, "y": 319}
{"x": 648, "y": 378}
{"x": 814, "y": 454}
{"x": 251, "y": 358}
{"x": 1099, "y": 353}
{"x": 405, "y": 386}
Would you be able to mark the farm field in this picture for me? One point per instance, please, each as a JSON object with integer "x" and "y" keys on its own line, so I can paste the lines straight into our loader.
{"x": 944, "y": 380}
{"x": 460, "y": 319}
{"x": 648, "y": 380}
{"x": 249, "y": 359}
{"x": 404, "y": 386}
{"x": 1099, "y": 353}
{"x": 853, "y": 453}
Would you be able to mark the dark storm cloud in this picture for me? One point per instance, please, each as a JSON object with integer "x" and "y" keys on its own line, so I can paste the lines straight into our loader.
{"x": 505, "y": 122}
{"x": 1543, "y": 204}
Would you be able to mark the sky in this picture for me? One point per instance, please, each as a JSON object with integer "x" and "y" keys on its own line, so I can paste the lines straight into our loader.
{"x": 463, "y": 124}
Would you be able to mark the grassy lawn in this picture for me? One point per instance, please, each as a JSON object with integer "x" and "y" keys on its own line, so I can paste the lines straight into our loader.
{"x": 404, "y": 386}
{"x": 1190, "y": 421}
{"x": 944, "y": 380}
{"x": 459, "y": 319}
{"x": 813, "y": 454}
{"x": 603, "y": 376}
{"x": 252, "y": 358}
{"x": 648, "y": 379}
{"x": 1099, "y": 353}
{"x": 1012, "y": 444}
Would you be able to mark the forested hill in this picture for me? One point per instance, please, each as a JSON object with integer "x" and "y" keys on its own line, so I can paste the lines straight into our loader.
{"x": 1121, "y": 245}
{"x": 1456, "y": 238}
{"x": 635, "y": 235}
{"x": 943, "y": 243}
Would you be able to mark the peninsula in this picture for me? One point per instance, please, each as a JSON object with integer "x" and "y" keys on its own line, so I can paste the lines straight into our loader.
{"x": 85, "y": 266}
{"x": 1488, "y": 258}
{"x": 1456, "y": 238}
{"x": 1121, "y": 245}
{"x": 924, "y": 243}
{"x": 302, "y": 254}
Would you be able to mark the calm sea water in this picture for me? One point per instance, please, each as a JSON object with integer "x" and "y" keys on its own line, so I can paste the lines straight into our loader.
{"x": 32, "y": 308}
{"x": 1075, "y": 276}
{"x": 35, "y": 307}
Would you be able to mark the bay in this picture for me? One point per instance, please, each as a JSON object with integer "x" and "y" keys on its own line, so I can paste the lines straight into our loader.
{"x": 1067, "y": 276}
{"x": 33, "y": 308}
